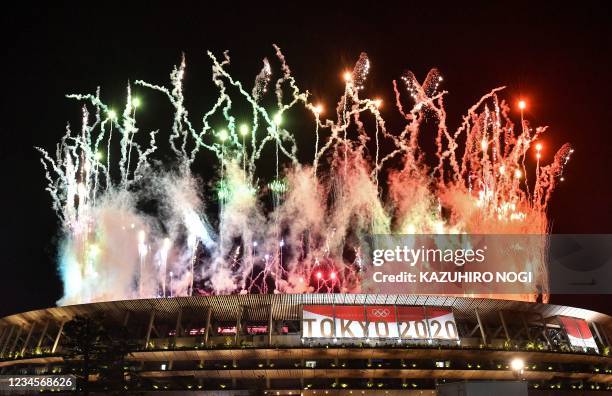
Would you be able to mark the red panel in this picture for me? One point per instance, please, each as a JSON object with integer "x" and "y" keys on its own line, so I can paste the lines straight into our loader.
{"x": 350, "y": 312}
{"x": 226, "y": 330}
{"x": 434, "y": 312}
{"x": 584, "y": 329}
{"x": 407, "y": 314}
{"x": 324, "y": 310}
{"x": 575, "y": 327}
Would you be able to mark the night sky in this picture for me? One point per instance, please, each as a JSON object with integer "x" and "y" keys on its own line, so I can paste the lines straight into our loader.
{"x": 558, "y": 58}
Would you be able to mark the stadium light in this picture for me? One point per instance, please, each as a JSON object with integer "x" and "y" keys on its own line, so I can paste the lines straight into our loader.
{"x": 517, "y": 365}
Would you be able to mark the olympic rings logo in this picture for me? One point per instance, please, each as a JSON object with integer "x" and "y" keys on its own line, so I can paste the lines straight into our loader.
{"x": 381, "y": 312}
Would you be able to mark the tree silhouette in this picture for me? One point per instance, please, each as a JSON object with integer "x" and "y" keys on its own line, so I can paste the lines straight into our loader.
{"x": 95, "y": 350}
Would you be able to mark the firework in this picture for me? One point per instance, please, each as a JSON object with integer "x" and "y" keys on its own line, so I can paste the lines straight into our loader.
{"x": 302, "y": 230}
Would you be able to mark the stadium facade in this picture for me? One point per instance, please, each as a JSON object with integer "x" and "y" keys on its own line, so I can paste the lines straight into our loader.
{"x": 336, "y": 344}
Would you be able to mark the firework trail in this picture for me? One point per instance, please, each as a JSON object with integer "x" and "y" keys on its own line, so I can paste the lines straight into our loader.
{"x": 304, "y": 229}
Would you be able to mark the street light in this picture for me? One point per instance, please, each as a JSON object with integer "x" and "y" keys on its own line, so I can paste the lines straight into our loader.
{"x": 517, "y": 365}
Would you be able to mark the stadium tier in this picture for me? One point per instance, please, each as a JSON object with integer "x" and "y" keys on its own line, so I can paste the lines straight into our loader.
{"x": 321, "y": 343}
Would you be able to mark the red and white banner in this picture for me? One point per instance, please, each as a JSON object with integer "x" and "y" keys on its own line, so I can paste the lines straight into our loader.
{"x": 578, "y": 332}
{"x": 350, "y": 321}
{"x": 318, "y": 321}
{"x": 382, "y": 321}
{"x": 427, "y": 323}
{"x": 412, "y": 323}
{"x": 441, "y": 323}
{"x": 378, "y": 321}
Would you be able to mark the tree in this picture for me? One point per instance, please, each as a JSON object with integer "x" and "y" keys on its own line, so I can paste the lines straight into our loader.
{"x": 94, "y": 349}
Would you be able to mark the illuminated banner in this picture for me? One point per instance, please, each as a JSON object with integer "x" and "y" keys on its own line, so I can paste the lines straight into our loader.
{"x": 441, "y": 323}
{"x": 382, "y": 321}
{"x": 427, "y": 322}
{"x": 378, "y": 322}
{"x": 578, "y": 332}
{"x": 318, "y": 321}
{"x": 350, "y": 321}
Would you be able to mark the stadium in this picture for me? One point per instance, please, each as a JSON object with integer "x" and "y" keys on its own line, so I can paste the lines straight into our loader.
{"x": 228, "y": 263}
{"x": 336, "y": 344}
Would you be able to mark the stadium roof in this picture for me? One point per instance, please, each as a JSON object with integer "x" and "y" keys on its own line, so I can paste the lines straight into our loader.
{"x": 256, "y": 307}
